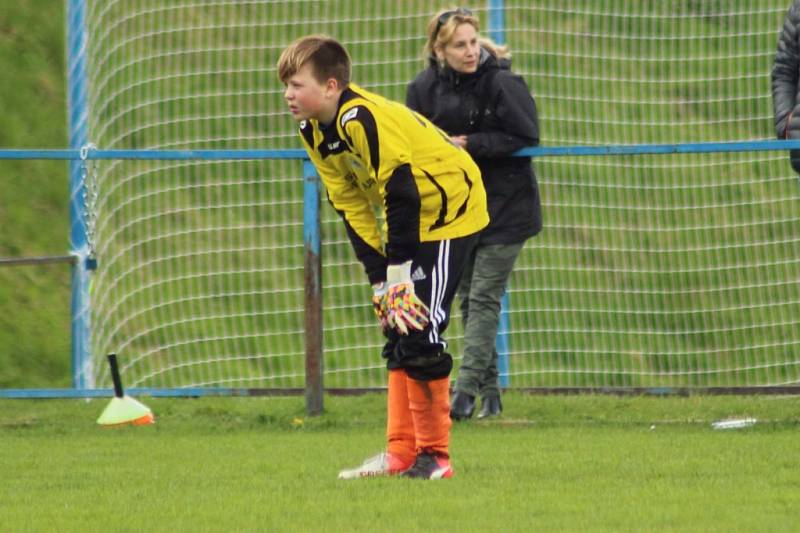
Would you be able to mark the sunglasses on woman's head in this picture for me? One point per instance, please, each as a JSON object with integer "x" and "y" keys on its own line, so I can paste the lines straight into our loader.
{"x": 444, "y": 17}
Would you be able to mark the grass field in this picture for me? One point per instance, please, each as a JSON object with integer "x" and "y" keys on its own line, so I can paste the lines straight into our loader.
{"x": 549, "y": 464}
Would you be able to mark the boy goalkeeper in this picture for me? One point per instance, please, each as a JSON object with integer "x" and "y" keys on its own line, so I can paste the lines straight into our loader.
{"x": 372, "y": 155}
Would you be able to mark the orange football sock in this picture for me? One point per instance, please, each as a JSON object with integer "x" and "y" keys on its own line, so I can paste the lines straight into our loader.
{"x": 430, "y": 409}
{"x": 399, "y": 424}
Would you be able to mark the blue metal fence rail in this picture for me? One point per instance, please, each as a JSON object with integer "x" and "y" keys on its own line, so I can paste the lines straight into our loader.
{"x": 534, "y": 151}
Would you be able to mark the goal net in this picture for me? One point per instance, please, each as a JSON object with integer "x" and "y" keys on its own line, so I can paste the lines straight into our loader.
{"x": 668, "y": 270}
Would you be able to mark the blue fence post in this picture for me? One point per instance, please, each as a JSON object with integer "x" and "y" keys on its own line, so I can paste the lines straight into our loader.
{"x": 497, "y": 32}
{"x": 78, "y": 137}
{"x": 313, "y": 289}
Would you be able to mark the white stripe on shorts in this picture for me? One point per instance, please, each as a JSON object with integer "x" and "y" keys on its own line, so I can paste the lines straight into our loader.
{"x": 438, "y": 287}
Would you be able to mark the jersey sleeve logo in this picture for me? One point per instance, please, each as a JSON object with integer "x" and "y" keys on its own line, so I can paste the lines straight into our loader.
{"x": 364, "y": 117}
{"x": 348, "y": 116}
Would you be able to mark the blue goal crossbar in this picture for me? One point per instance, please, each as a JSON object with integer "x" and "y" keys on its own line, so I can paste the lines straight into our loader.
{"x": 534, "y": 151}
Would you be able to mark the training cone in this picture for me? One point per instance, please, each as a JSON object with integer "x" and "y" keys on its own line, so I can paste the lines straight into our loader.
{"x": 126, "y": 410}
{"x": 123, "y": 409}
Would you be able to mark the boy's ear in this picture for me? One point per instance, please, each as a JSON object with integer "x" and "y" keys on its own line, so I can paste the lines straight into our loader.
{"x": 332, "y": 85}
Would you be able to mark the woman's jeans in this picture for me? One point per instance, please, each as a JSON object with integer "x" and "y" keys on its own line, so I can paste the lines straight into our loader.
{"x": 481, "y": 291}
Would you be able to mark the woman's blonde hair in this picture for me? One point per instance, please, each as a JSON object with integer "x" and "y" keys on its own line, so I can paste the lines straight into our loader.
{"x": 443, "y": 25}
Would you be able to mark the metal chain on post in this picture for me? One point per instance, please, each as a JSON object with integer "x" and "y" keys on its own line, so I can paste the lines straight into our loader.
{"x": 89, "y": 179}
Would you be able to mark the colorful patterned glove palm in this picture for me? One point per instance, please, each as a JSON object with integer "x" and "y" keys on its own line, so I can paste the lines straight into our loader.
{"x": 404, "y": 310}
{"x": 379, "y": 304}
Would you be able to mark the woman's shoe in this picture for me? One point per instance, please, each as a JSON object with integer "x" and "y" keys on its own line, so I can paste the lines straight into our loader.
{"x": 462, "y": 405}
{"x": 491, "y": 406}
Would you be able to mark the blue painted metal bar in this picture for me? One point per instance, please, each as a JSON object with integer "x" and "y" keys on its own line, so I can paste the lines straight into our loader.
{"x": 154, "y": 155}
{"x": 27, "y": 394}
{"x": 497, "y": 21}
{"x": 502, "y": 343}
{"x": 311, "y": 199}
{"x": 534, "y": 151}
{"x": 108, "y": 393}
{"x": 78, "y": 130}
{"x": 656, "y": 149}
{"x": 313, "y": 289}
{"x": 497, "y": 32}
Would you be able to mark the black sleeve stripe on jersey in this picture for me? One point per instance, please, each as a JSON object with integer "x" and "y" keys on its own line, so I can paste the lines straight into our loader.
{"x": 367, "y": 121}
{"x": 463, "y": 208}
{"x": 443, "y": 210}
{"x": 403, "y": 204}
{"x": 374, "y": 263}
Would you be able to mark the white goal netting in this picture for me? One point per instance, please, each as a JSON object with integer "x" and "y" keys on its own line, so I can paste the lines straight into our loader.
{"x": 677, "y": 270}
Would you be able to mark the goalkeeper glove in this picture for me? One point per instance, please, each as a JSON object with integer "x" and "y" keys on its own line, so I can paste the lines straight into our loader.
{"x": 379, "y": 304}
{"x": 404, "y": 309}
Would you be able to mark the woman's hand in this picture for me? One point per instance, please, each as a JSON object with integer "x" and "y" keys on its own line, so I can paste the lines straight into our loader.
{"x": 459, "y": 140}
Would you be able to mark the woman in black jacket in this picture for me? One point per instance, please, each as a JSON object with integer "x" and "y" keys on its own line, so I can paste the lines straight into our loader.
{"x": 469, "y": 91}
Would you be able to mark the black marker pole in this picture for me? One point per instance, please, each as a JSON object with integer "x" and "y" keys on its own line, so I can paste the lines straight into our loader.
{"x": 112, "y": 361}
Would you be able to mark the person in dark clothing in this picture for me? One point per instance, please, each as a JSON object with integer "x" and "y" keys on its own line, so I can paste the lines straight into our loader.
{"x": 469, "y": 91}
{"x": 785, "y": 76}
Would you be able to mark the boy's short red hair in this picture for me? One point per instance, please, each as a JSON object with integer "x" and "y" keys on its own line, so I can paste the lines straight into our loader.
{"x": 328, "y": 59}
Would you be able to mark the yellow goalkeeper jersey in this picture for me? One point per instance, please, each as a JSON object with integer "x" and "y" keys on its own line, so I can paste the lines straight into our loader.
{"x": 382, "y": 158}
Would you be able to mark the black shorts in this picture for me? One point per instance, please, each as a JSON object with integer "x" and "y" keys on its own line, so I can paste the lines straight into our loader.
{"x": 436, "y": 271}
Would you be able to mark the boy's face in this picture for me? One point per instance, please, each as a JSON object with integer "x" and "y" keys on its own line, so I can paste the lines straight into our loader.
{"x": 309, "y": 99}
